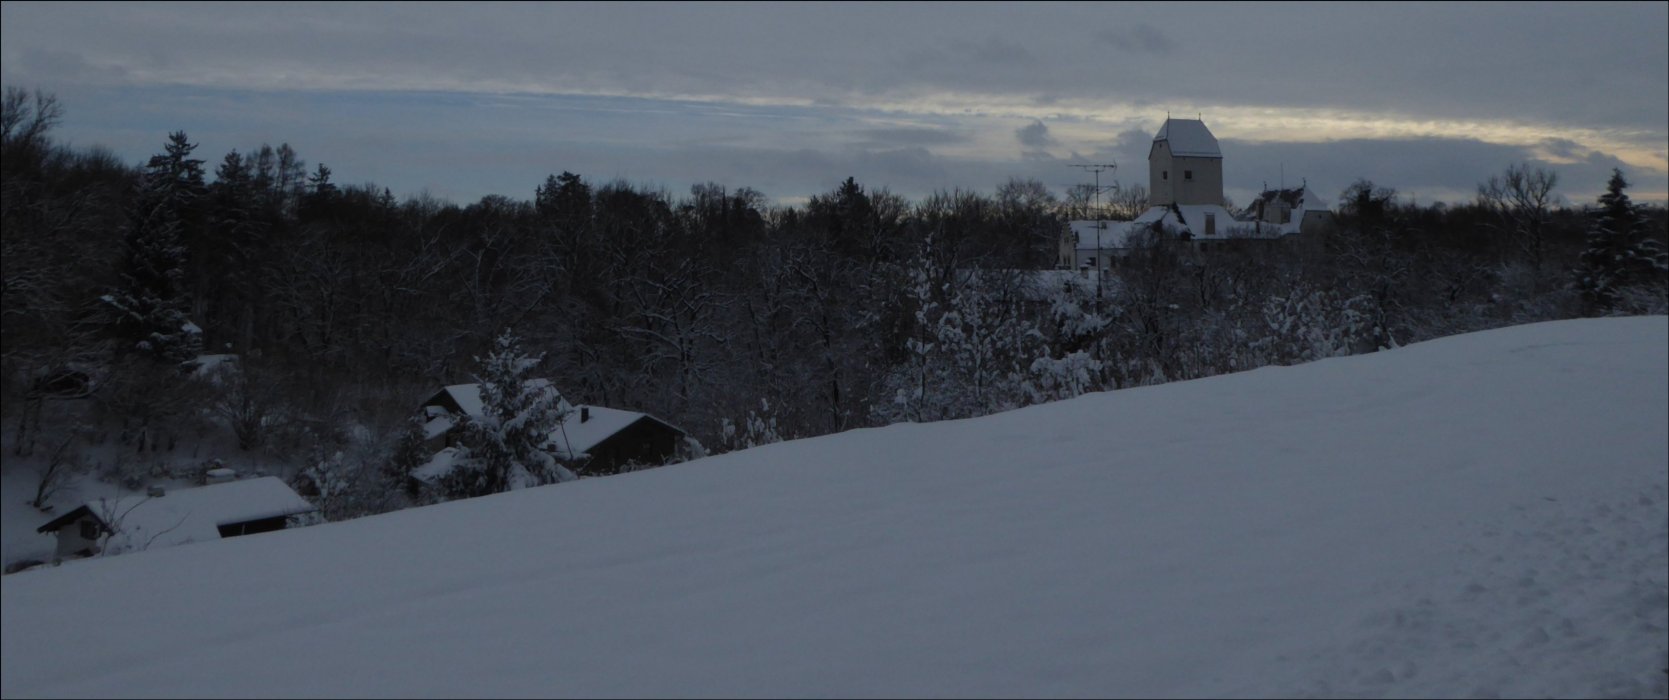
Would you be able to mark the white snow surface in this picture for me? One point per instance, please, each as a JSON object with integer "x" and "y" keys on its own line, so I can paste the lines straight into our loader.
{"x": 1481, "y": 515}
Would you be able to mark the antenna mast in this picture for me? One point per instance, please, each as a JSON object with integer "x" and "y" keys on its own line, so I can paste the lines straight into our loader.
{"x": 1100, "y": 255}
{"x": 1099, "y": 168}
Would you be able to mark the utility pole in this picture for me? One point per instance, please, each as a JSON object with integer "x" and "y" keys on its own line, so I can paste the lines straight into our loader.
{"x": 1100, "y": 224}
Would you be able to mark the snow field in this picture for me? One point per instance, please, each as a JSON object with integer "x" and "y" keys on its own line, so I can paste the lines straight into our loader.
{"x": 1483, "y": 515}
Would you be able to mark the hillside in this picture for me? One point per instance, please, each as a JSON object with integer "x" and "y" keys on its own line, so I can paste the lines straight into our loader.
{"x": 1478, "y": 515}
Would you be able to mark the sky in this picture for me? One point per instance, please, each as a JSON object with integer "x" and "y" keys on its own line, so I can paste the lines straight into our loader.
{"x": 466, "y": 100}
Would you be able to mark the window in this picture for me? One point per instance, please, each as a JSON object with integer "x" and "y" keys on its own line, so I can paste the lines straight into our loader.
{"x": 1164, "y": 174}
{"x": 1187, "y": 174}
{"x": 89, "y": 530}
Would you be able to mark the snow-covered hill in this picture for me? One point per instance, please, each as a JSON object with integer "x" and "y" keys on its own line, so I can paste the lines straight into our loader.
{"x": 1479, "y": 515}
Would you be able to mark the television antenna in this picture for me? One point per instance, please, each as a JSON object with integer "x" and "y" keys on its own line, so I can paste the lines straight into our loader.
{"x": 1100, "y": 224}
{"x": 1097, "y": 169}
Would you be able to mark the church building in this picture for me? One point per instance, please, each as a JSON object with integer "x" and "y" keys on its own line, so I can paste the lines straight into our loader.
{"x": 1185, "y": 197}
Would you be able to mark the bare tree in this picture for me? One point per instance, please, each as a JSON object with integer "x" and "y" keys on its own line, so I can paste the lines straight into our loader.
{"x": 26, "y": 117}
{"x": 115, "y": 521}
{"x": 56, "y": 472}
{"x": 1520, "y": 199}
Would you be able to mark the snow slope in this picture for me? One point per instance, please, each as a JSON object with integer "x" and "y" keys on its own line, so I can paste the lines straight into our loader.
{"x": 1474, "y": 516}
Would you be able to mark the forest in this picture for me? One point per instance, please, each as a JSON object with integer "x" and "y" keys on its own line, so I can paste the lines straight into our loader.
{"x": 741, "y": 321}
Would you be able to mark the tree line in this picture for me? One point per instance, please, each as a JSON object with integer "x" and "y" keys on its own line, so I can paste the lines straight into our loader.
{"x": 739, "y": 321}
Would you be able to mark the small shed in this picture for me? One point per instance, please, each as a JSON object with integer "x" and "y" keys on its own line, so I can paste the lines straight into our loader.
{"x": 166, "y": 518}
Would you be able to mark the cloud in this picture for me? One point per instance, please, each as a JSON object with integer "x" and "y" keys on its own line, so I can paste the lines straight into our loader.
{"x": 1547, "y": 65}
{"x": 1137, "y": 38}
{"x": 1034, "y": 136}
{"x": 992, "y": 50}
{"x": 883, "y": 138}
{"x": 1035, "y": 141}
{"x": 54, "y": 66}
{"x": 464, "y": 146}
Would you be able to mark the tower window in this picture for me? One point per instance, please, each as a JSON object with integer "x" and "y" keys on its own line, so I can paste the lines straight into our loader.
{"x": 1164, "y": 174}
{"x": 1187, "y": 174}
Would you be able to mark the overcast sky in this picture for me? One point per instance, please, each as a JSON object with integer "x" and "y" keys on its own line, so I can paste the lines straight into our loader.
{"x": 465, "y": 100}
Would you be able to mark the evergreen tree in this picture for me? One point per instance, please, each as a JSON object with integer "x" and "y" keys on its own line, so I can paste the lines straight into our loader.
{"x": 1619, "y": 253}
{"x": 506, "y": 444}
{"x": 150, "y": 306}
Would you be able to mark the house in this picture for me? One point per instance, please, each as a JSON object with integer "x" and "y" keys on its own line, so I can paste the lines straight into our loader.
{"x": 602, "y": 440}
{"x": 164, "y": 518}
{"x": 1202, "y": 227}
{"x": 1291, "y": 211}
{"x": 592, "y": 440}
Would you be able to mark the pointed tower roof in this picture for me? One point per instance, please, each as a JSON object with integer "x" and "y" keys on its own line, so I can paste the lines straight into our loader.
{"x": 1188, "y": 138}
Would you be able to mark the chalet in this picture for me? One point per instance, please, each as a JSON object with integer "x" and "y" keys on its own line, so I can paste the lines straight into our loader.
{"x": 592, "y": 440}
{"x": 164, "y": 518}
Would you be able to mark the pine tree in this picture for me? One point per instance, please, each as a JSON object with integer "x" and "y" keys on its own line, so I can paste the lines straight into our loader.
{"x": 506, "y": 444}
{"x": 149, "y": 308}
{"x": 1619, "y": 253}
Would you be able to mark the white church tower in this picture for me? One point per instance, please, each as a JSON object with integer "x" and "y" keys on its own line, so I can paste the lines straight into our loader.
{"x": 1184, "y": 166}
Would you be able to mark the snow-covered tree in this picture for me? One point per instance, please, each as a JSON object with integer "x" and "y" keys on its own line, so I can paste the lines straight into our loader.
{"x": 506, "y": 444}
{"x": 1619, "y": 253}
{"x": 984, "y": 337}
{"x": 1308, "y": 324}
{"x": 759, "y": 428}
{"x": 914, "y": 385}
{"x": 1069, "y": 363}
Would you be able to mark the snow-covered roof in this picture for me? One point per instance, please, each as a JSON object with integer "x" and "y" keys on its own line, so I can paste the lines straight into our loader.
{"x": 1123, "y": 234}
{"x": 1298, "y": 198}
{"x": 441, "y": 464}
{"x": 437, "y": 426}
{"x": 1112, "y": 234}
{"x": 572, "y": 438}
{"x": 195, "y": 514}
{"x": 576, "y": 437}
{"x": 1189, "y": 138}
{"x": 1188, "y": 218}
{"x": 1193, "y": 221}
{"x": 1301, "y": 200}
{"x": 468, "y": 396}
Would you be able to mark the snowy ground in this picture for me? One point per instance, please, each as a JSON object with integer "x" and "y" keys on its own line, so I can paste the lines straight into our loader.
{"x": 1483, "y": 515}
